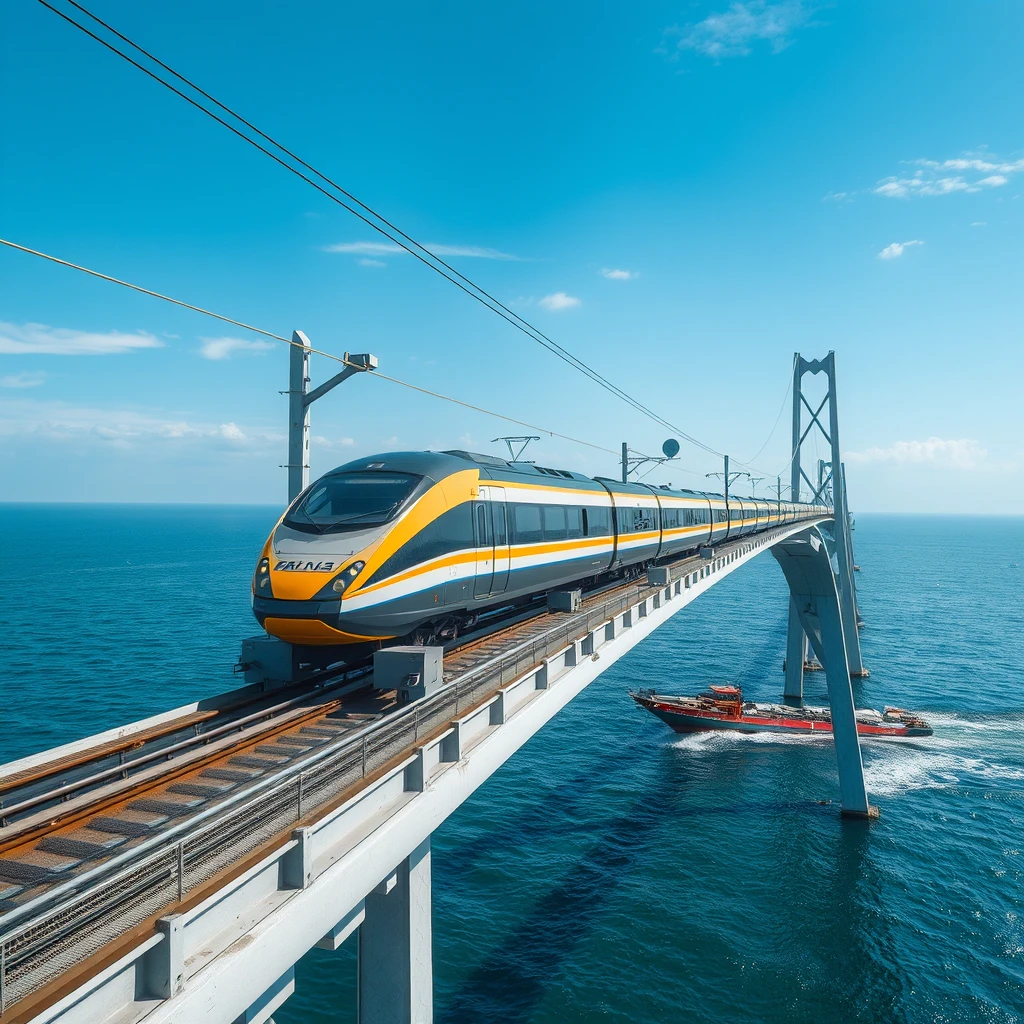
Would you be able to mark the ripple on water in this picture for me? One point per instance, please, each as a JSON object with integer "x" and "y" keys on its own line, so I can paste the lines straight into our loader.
{"x": 610, "y": 870}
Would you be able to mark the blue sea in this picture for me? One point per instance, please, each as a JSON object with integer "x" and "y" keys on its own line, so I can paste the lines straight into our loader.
{"x": 611, "y": 870}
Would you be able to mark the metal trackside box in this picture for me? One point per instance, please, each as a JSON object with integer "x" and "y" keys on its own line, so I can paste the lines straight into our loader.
{"x": 414, "y": 672}
{"x": 565, "y": 600}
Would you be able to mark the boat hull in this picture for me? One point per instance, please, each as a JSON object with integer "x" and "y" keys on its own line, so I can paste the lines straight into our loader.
{"x": 684, "y": 721}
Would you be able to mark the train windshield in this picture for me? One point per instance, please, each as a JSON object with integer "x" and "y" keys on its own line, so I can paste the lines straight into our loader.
{"x": 351, "y": 501}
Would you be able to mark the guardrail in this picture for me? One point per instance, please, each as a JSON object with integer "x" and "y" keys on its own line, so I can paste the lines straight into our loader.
{"x": 68, "y": 923}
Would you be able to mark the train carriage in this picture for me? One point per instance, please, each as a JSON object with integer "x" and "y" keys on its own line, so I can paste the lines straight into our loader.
{"x": 418, "y": 544}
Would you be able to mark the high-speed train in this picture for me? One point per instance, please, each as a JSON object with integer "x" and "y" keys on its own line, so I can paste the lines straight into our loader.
{"x": 418, "y": 544}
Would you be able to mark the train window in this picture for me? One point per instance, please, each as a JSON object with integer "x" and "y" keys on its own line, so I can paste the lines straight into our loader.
{"x": 586, "y": 524}
{"x": 599, "y": 521}
{"x": 351, "y": 501}
{"x": 574, "y": 523}
{"x": 643, "y": 519}
{"x": 554, "y": 522}
{"x": 483, "y": 532}
{"x": 527, "y": 524}
{"x": 500, "y": 533}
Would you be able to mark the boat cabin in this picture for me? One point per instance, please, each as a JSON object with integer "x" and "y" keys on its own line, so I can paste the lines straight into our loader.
{"x": 727, "y": 699}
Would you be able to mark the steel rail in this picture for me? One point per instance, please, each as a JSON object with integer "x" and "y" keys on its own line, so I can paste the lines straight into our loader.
{"x": 120, "y": 770}
{"x": 110, "y": 892}
{"x": 391, "y": 723}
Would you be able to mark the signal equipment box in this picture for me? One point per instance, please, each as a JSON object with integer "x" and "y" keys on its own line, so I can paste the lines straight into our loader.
{"x": 565, "y": 600}
{"x": 414, "y": 672}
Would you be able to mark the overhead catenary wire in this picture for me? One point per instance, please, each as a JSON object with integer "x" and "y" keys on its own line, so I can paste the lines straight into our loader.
{"x": 775, "y": 425}
{"x": 296, "y": 344}
{"x": 390, "y": 231}
{"x": 145, "y": 291}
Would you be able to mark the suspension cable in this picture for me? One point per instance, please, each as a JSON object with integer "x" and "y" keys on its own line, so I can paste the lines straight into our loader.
{"x": 398, "y": 237}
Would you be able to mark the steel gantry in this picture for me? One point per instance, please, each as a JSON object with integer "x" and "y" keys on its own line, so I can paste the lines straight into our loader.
{"x": 831, "y": 484}
{"x": 300, "y": 399}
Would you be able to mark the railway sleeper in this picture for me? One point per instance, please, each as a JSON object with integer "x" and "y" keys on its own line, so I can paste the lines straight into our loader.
{"x": 170, "y": 804}
{"x": 206, "y": 790}
{"x": 286, "y": 753}
{"x": 233, "y": 775}
{"x": 36, "y": 866}
{"x": 304, "y": 742}
{"x": 131, "y": 823}
{"x": 86, "y": 843}
{"x": 264, "y": 763}
{"x": 324, "y": 732}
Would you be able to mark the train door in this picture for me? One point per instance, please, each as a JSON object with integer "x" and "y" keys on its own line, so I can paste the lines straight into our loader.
{"x": 484, "y": 548}
{"x": 500, "y": 529}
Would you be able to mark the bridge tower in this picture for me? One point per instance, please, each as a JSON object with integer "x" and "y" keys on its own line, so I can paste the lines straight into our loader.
{"x": 831, "y": 482}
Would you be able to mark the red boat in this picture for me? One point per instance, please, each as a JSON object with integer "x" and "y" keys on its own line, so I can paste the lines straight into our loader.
{"x": 723, "y": 707}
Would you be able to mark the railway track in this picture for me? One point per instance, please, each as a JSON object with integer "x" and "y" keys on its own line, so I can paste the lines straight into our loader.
{"x": 77, "y": 873}
{"x": 65, "y": 816}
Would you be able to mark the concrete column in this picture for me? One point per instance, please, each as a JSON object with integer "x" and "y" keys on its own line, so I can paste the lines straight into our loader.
{"x": 805, "y": 561}
{"x": 298, "y": 416}
{"x": 796, "y": 652}
{"x": 395, "y": 965}
{"x": 853, "y": 794}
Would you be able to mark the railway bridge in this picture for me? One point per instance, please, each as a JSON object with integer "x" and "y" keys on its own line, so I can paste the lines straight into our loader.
{"x": 176, "y": 869}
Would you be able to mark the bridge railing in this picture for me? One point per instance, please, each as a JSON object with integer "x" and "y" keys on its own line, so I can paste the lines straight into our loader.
{"x": 60, "y": 928}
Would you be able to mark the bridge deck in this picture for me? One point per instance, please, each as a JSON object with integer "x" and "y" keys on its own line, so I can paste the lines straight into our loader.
{"x": 73, "y": 883}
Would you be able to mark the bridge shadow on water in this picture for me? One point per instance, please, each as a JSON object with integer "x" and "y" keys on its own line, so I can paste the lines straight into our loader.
{"x": 837, "y": 940}
{"x": 511, "y": 981}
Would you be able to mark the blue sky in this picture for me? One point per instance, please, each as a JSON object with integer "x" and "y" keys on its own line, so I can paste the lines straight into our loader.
{"x": 683, "y": 194}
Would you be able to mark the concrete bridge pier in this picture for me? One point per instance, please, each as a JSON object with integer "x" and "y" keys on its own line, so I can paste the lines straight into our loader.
{"x": 796, "y": 654}
{"x": 814, "y": 595}
{"x": 395, "y": 940}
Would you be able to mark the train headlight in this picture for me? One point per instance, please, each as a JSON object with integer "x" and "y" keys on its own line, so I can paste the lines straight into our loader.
{"x": 261, "y": 579}
{"x": 341, "y": 583}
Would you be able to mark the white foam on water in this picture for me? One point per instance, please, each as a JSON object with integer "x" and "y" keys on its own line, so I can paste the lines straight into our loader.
{"x": 953, "y": 722}
{"x": 895, "y": 766}
{"x": 708, "y": 742}
{"x": 927, "y": 765}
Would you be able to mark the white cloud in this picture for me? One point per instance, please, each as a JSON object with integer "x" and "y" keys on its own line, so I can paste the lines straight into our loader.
{"x": 733, "y": 32}
{"x": 367, "y": 262}
{"x": 29, "y": 379}
{"x": 946, "y": 177}
{"x": 223, "y": 348}
{"x": 231, "y": 432}
{"x": 39, "y": 339}
{"x": 559, "y": 301}
{"x": 326, "y": 442}
{"x": 438, "y": 248}
{"x": 978, "y": 223}
{"x": 619, "y": 275}
{"x": 126, "y": 428}
{"x": 959, "y": 454}
{"x": 891, "y": 252}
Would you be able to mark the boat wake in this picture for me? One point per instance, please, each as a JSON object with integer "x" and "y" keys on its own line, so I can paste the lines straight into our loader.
{"x": 956, "y": 757}
{"x": 708, "y": 742}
